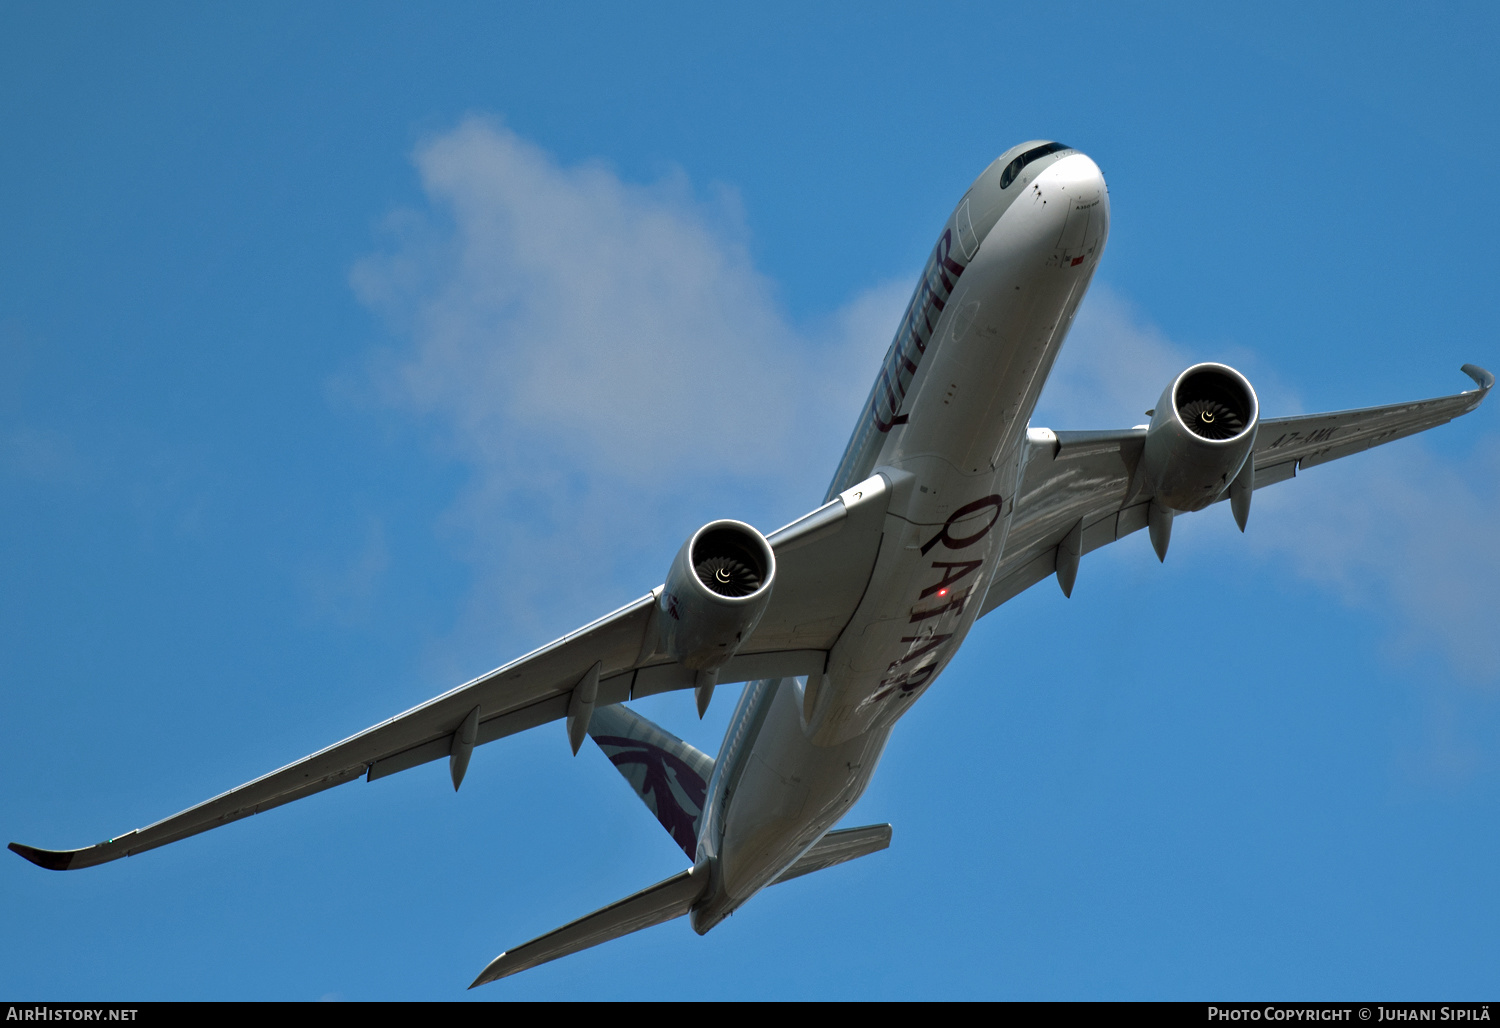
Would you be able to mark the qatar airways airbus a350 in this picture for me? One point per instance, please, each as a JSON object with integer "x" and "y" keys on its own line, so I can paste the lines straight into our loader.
{"x": 946, "y": 504}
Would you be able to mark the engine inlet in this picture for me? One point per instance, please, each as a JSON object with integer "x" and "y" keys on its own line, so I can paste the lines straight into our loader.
{"x": 1212, "y": 405}
{"x": 727, "y": 563}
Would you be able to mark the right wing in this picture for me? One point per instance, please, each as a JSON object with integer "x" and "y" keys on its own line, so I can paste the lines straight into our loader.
{"x": 1075, "y": 491}
{"x": 824, "y": 562}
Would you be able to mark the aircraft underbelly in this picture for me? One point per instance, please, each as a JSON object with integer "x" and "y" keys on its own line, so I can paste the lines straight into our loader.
{"x": 954, "y": 462}
{"x": 958, "y": 460}
{"x": 789, "y": 794}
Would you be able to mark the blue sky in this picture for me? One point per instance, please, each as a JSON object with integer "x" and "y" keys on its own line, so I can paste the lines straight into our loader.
{"x": 349, "y": 351}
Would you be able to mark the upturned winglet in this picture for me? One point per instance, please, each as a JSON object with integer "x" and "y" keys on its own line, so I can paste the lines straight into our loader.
{"x": 52, "y": 860}
{"x": 1483, "y": 379}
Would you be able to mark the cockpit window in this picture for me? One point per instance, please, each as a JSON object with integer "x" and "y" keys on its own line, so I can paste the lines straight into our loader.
{"x": 1035, "y": 153}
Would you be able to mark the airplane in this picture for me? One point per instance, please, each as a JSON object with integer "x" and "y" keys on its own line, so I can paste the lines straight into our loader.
{"x": 945, "y": 504}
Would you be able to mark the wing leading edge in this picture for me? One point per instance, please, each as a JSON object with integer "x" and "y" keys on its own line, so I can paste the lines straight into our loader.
{"x": 1075, "y": 492}
{"x": 824, "y": 562}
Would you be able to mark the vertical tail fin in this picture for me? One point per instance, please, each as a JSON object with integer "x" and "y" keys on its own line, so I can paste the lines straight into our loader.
{"x": 669, "y": 776}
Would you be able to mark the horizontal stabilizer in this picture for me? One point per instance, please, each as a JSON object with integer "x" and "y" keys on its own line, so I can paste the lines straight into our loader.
{"x": 837, "y": 847}
{"x": 662, "y": 902}
{"x": 667, "y": 900}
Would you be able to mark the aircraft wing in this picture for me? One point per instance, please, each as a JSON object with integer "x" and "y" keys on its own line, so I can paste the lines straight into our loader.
{"x": 1082, "y": 480}
{"x": 824, "y": 562}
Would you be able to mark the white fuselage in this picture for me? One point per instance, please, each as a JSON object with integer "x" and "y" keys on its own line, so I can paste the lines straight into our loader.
{"x": 946, "y": 426}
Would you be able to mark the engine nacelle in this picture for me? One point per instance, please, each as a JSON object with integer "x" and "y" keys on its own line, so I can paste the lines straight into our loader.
{"x": 718, "y": 588}
{"x": 1201, "y": 434}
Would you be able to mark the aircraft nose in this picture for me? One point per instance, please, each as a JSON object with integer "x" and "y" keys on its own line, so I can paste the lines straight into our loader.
{"x": 1077, "y": 170}
{"x": 1076, "y": 186}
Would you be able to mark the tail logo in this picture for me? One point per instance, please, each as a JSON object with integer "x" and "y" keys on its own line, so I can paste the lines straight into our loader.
{"x": 672, "y": 789}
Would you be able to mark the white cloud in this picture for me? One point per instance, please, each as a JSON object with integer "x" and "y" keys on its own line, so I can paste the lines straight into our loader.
{"x": 1404, "y": 530}
{"x": 606, "y": 359}
{"x": 1116, "y": 363}
{"x": 613, "y": 369}
{"x": 1112, "y": 368}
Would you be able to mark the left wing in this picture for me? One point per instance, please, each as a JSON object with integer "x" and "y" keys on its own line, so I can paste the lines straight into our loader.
{"x": 824, "y": 562}
{"x": 1075, "y": 491}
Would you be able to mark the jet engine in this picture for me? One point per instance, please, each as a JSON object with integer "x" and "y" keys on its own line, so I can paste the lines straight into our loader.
{"x": 715, "y": 593}
{"x": 1201, "y": 434}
